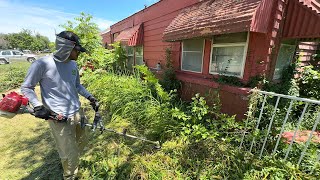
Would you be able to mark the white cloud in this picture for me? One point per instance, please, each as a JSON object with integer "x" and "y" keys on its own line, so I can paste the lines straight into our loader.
{"x": 16, "y": 16}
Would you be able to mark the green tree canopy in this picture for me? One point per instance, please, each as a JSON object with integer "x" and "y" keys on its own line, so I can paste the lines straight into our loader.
{"x": 91, "y": 39}
{"x": 3, "y": 42}
{"x": 26, "y": 40}
{"x": 89, "y": 35}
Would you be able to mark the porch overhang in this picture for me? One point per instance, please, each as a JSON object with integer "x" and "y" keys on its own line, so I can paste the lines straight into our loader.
{"x": 132, "y": 36}
{"x": 302, "y": 20}
{"x": 213, "y": 17}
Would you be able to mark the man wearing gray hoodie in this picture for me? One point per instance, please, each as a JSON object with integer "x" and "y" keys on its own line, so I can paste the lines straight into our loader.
{"x": 59, "y": 81}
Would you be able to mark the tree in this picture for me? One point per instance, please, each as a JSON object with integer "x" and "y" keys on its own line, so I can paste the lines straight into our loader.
{"x": 52, "y": 46}
{"x": 3, "y": 42}
{"x": 26, "y": 40}
{"x": 89, "y": 35}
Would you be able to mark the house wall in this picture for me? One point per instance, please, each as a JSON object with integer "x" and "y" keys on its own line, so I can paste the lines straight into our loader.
{"x": 106, "y": 38}
{"x": 306, "y": 50}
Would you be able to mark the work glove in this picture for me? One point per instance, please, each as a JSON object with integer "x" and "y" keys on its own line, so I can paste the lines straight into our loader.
{"x": 94, "y": 103}
{"x": 42, "y": 112}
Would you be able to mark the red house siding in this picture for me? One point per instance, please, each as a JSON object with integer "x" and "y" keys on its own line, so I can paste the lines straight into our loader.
{"x": 306, "y": 50}
{"x": 155, "y": 19}
{"x": 106, "y": 38}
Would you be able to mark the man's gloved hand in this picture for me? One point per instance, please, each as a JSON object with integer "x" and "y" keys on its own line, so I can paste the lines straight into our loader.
{"x": 94, "y": 103}
{"x": 42, "y": 112}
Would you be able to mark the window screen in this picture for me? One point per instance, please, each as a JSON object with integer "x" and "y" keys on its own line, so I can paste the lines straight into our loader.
{"x": 285, "y": 56}
{"x": 192, "y": 55}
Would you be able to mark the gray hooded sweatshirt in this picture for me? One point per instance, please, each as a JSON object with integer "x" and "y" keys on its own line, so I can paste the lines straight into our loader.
{"x": 59, "y": 81}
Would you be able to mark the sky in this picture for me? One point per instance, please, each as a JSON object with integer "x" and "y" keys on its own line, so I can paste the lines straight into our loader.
{"x": 45, "y": 16}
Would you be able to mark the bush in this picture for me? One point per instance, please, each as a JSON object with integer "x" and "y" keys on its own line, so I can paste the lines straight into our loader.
{"x": 310, "y": 83}
{"x": 169, "y": 80}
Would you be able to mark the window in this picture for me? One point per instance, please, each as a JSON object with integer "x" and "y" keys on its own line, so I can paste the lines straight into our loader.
{"x": 228, "y": 54}
{"x": 284, "y": 59}
{"x": 139, "y": 55}
{"x": 115, "y": 35}
{"x": 192, "y": 55}
{"x": 6, "y": 53}
{"x": 135, "y": 56}
{"x": 16, "y": 53}
{"x": 130, "y": 53}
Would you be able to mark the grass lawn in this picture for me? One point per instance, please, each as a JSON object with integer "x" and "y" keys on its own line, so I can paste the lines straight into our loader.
{"x": 27, "y": 149}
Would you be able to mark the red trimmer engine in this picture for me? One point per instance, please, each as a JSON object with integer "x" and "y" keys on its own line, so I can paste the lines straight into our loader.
{"x": 13, "y": 104}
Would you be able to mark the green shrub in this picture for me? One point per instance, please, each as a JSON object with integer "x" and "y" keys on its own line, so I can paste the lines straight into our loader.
{"x": 169, "y": 80}
{"x": 310, "y": 83}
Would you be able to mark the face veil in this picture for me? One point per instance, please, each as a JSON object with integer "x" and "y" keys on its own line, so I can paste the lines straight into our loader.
{"x": 64, "y": 48}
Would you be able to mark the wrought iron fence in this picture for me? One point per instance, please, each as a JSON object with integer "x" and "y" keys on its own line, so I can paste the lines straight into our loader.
{"x": 270, "y": 115}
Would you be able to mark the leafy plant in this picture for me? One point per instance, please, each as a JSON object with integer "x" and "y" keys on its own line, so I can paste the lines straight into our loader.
{"x": 230, "y": 80}
{"x": 88, "y": 33}
{"x": 169, "y": 81}
{"x": 310, "y": 83}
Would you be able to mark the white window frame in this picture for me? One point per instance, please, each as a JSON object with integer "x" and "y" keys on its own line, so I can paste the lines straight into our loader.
{"x": 203, "y": 46}
{"x": 245, "y": 44}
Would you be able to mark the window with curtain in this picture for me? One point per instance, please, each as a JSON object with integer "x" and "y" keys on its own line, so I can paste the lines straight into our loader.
{"x": 192, "y": 55}
{"x": 228, "y": 54}
{"x": 285, "y": 57}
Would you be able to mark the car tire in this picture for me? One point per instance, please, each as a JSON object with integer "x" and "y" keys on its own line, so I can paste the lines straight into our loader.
{"x": 31, "y": 60}
{"x": 3, "y": 61}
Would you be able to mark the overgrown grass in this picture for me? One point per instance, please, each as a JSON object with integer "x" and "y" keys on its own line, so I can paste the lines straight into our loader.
{"x": 194, "y": 146}
{"x": 12, "y": 75}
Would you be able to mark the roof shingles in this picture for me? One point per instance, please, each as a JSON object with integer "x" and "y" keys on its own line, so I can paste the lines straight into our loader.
{"x": 212, "y": 17}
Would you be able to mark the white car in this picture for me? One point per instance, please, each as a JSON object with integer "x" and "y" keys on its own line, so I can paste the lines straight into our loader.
{"x": 15, "y": 55}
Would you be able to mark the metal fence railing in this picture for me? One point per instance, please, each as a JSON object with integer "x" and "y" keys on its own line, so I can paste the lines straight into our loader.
{"x": 271, "y": 115}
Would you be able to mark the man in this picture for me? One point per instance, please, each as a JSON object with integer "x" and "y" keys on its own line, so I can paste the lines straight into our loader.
{"x": 60, "y": 85}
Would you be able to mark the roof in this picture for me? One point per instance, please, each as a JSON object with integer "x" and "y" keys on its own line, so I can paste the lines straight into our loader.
{"x": 133, "y": 36}
{"x": 212, "y": 17}
{"x": 302, "y": 21}
{"x": 313, "y": 4}
{"x": 105, "y": 31}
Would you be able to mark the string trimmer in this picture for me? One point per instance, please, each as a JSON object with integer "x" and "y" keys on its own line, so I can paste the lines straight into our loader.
{"x": 13, "y": 104}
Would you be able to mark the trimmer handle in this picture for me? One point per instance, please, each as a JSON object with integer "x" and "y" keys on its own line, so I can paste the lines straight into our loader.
{"x": 97, "y": 121}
